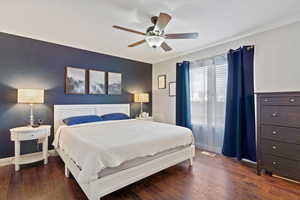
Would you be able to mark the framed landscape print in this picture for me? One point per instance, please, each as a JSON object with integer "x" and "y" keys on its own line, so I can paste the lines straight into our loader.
{"x": 162, "y": 81}
{"x": 114, "y": 83}
{"x": 75, "y": 80}
{"x": 97, "y": 82}
{"x": 172, "y": 89}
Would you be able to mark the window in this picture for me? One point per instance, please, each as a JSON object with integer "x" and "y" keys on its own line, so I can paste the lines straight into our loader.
{"x": 208, "y": 97}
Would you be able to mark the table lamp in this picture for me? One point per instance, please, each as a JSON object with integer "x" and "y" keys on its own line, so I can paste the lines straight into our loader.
{"x": 141, "y": 98}
{"x": 31, "y": 96}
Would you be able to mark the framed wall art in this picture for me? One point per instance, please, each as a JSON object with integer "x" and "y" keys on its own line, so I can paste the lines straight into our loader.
{"x": 75, "y": 80}
{"x": 172, "y": 89}
{"x": 114, "y": 83}
{"x": 97, "y": 82}
{"x": 162, "y": 81}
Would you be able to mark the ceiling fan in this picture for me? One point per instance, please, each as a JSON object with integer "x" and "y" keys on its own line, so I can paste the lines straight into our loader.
{"x": 155, "y": 35}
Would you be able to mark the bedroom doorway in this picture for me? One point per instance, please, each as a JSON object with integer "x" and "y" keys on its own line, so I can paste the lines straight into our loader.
{"x": 208, "y": 81}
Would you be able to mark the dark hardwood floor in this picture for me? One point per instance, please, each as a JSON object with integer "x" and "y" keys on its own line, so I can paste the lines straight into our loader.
{"x": 216, "y": 178}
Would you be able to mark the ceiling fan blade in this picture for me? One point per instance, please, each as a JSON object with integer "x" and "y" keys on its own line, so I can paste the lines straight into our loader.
{"x": 165, "y": 46}
{"x": 162, "y": 22}
{"x": 129, "y": 30}
{"x": 137, "y": 43}
{"x": 182, "y": 36}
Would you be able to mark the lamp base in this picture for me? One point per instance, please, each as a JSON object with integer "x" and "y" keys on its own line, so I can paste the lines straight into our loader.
{"x": 144, "y": 115}
{"x": 31, "y": 118}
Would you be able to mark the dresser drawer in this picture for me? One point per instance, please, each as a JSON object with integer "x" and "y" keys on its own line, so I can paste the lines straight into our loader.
{"x": 281, "y": 115}
{"x": 286, "y": 150}
{"x": 282, "y": 134}
{"x": 281, "y": 166}
{"x": 284, "y": 101}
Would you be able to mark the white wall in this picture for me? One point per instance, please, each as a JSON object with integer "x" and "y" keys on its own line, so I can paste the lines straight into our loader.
{"x": 277, "y": 66}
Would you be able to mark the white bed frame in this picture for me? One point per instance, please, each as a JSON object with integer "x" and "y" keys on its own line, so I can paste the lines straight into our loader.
{"x": 108, "y": 184}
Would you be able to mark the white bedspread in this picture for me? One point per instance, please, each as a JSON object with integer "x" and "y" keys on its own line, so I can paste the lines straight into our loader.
{"x": 99, "y": 145}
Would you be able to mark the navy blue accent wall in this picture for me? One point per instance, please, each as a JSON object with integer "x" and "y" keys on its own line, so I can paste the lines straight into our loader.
{"x": 28, "y": 63}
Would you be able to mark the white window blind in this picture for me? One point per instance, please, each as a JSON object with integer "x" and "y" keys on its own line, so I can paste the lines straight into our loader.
{"x": 208, "y": 80}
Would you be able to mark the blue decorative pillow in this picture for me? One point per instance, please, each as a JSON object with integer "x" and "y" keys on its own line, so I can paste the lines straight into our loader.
{"x": 82, "y": 119}
{"x": 114, "y": 116}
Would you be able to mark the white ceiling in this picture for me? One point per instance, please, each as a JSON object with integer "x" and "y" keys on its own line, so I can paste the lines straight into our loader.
{"x": 88, "y": 24}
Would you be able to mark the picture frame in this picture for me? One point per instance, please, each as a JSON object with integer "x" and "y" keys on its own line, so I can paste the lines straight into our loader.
{"x": 97, "y": 82}
{"x": 114, "y": 83}
{"x": 75, "y": 80}
{"x": 162, "y": 79}
{"x": 172, "y": 89}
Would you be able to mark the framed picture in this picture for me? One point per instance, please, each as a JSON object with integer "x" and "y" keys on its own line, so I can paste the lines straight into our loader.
{"x": 75, "y": 80}
{"x": 114, "y": 83}
{"x": 97, "y": 82}
{"x": 172, "y": 89}
{"x": 162, "y": 81}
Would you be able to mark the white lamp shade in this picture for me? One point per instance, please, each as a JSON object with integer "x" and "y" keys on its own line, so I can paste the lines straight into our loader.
{"x": 141, "y": 98}
{"x": 30, "y": 96}
{"x": 154, "y": 41}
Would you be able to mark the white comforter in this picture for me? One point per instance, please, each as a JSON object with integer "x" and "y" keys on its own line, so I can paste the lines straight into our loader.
{"x": 99, "y": 145}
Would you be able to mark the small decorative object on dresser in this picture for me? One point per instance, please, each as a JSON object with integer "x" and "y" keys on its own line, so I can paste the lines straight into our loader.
{"x": 172, "y": 89}
{"x": 31, "y": 96}
{"x": 40, "y": 134}
{"x": 97, "y": 82}
{"x": 114, "y": 83}
{"x": 75, "y": 80}
{"x": 278, "y": 137}
{"x": 162, "y": 79}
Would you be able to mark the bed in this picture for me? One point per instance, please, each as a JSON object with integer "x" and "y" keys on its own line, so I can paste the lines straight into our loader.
{"x": 106, "y": 156}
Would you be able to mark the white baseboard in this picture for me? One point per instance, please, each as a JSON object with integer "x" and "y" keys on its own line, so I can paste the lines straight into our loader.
{"x": 209, "y": 148}
{"x": 10, "y": 160}
{"x": 249, "y": 161}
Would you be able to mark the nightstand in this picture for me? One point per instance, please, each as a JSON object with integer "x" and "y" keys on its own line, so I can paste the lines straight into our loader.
{"x": 145, "y": 118}
{"x": 19, "y": 134}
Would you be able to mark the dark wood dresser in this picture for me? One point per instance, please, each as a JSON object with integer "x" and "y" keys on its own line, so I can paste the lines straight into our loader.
{"x": 278, "y": 134}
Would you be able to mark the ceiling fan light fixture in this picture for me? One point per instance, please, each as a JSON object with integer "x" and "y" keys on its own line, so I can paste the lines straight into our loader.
{"x": 155, "y": 35}
{"x": 154, "y": 40}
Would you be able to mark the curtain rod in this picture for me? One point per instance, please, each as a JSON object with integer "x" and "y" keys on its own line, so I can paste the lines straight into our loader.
{"x": 248, "y": 48}
{"x": 222, "y": 54}
{"x": 207, "y": 58}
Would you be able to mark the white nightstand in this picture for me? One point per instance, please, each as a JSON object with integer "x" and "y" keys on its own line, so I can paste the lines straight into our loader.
{"x": 28, "y": 133}
{"x": 145, "y": 118}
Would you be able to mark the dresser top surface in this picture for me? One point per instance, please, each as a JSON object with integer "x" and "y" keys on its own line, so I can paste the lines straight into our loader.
{"x": 294, "y": 93}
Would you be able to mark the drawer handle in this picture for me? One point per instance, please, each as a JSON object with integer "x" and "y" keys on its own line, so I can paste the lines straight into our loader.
{"x": 266, "y": 100}
{"x": 275, "y": 114}
{"x": 274, "y": 163}
{"x": 274, "y": 147}
{"x": 292, "y": 100}
{"x": 274, "y": 132}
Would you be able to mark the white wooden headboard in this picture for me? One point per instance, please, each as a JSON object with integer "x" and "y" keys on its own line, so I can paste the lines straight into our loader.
{"x": 64, "y": 111}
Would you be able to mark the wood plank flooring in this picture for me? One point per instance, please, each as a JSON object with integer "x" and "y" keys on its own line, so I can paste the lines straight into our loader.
{"x": 216, "y": 178}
